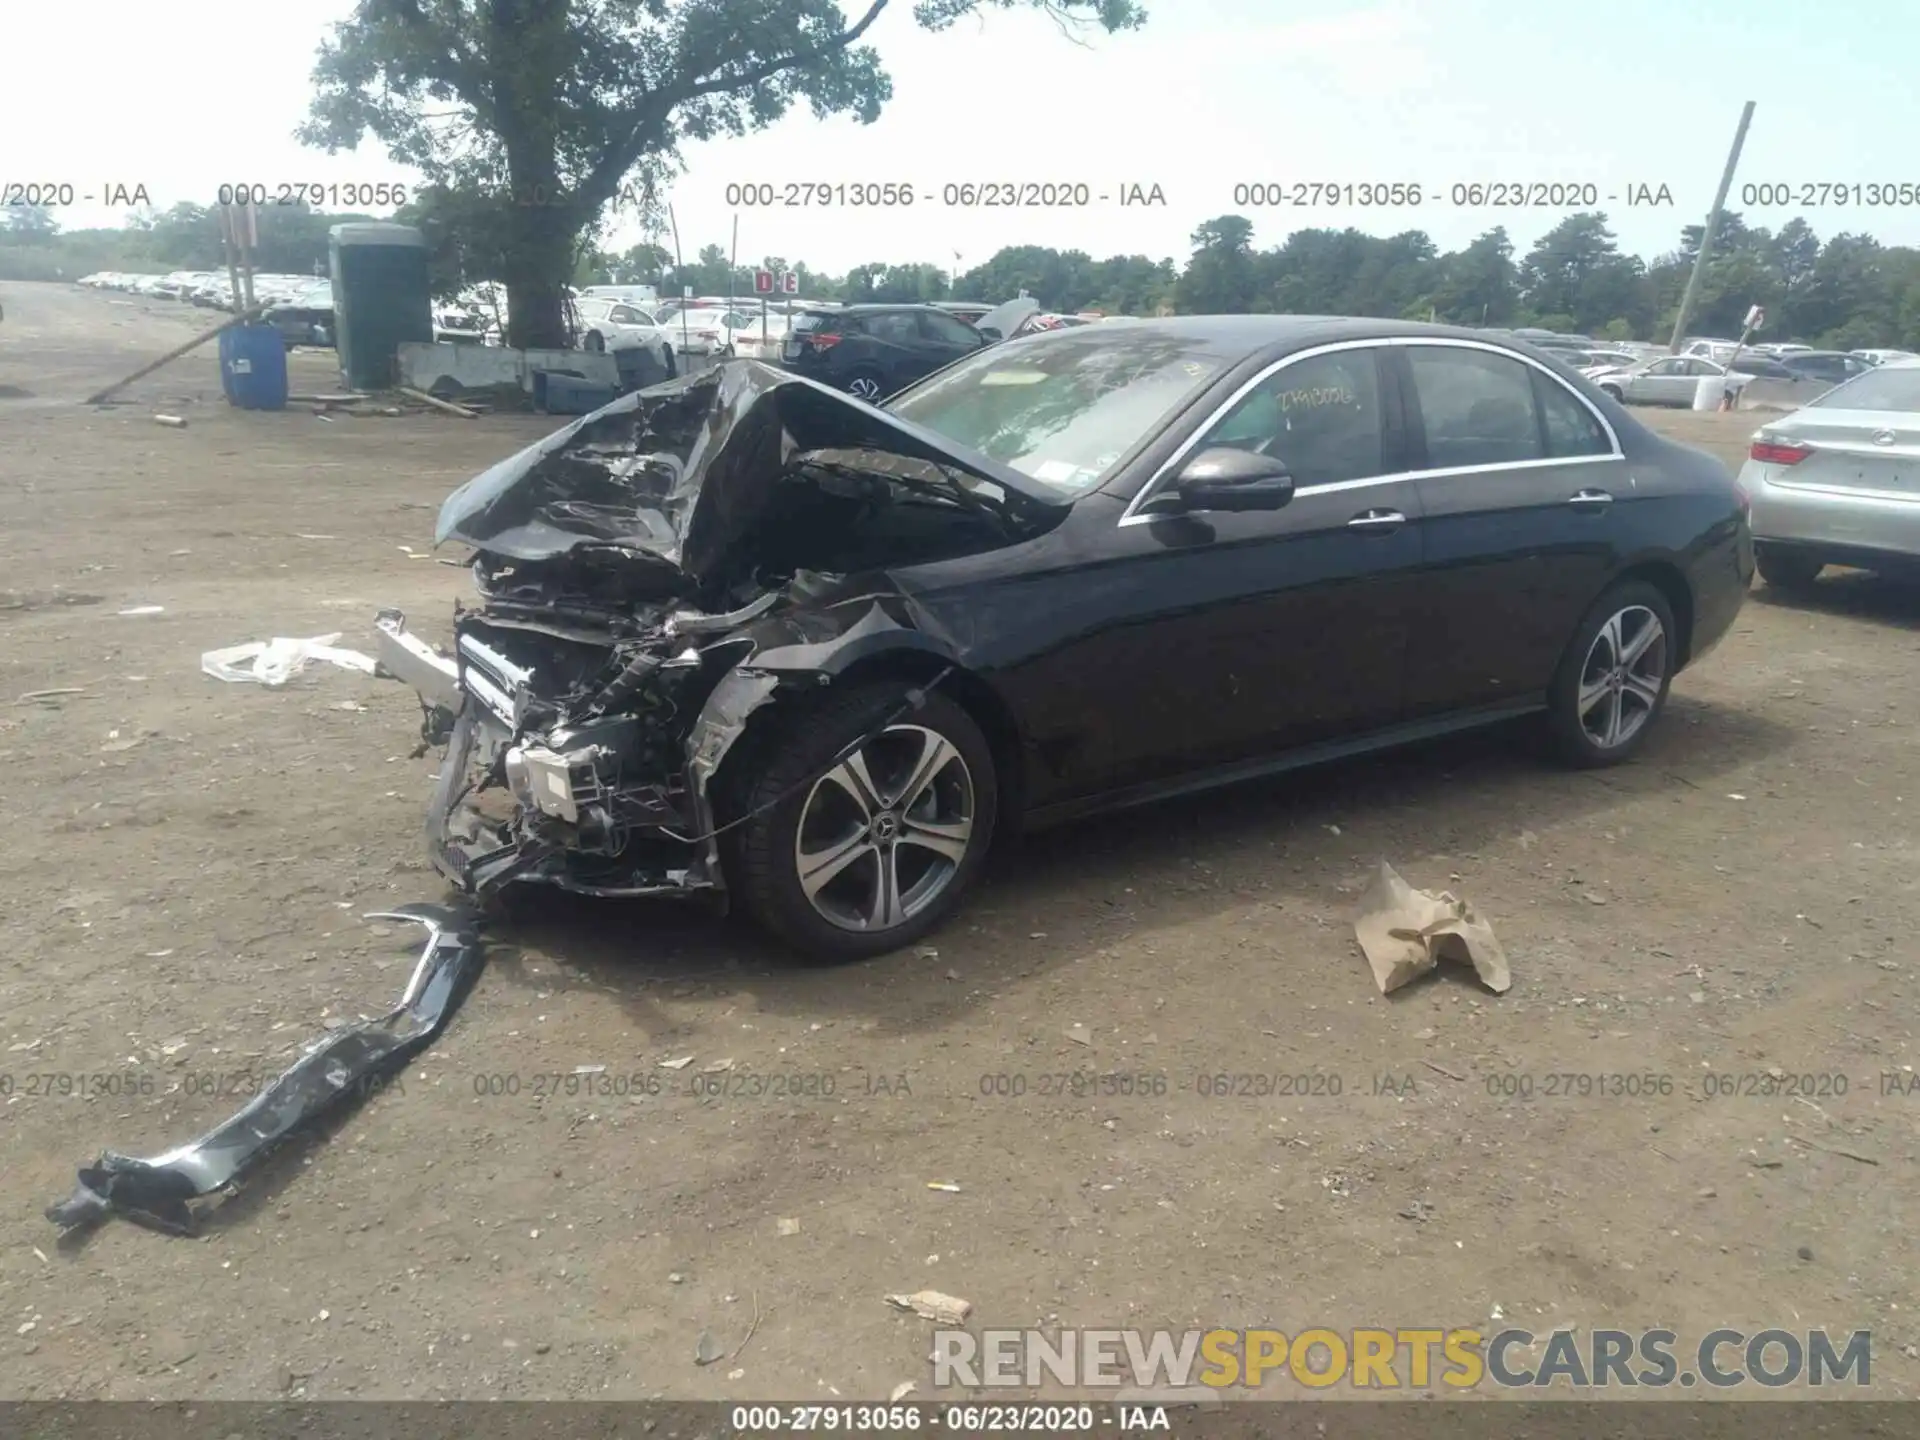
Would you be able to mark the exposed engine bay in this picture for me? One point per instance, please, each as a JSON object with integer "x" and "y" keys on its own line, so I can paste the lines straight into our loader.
{"x": 648, "y": 579}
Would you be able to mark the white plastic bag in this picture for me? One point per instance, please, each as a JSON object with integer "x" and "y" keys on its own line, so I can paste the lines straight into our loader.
{"x": 276, "y": 661}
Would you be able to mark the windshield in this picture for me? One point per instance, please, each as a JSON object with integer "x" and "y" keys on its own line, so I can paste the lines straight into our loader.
{"x": 1063, "y": 409}
{"x": 1891, "y": 387}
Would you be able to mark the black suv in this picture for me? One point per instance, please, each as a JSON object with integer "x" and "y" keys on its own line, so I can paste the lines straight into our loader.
{"x": 870, "y": 351}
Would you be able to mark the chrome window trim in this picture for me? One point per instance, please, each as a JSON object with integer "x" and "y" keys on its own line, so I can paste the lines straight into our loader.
{"x": 1132, "y": 516}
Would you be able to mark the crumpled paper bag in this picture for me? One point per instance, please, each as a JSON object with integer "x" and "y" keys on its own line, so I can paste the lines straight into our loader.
{"x": 1406, "y": 932}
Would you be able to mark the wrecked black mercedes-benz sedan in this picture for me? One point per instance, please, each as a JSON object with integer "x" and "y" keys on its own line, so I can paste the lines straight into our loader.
{"x": 740, "y": 634}
{"x": 655, "y": 575}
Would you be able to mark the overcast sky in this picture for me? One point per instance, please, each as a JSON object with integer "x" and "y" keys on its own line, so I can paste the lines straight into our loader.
{"x": 1213, "y": 93}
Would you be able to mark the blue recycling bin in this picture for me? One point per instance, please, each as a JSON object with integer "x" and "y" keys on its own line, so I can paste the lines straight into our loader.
{"x": 253, "y": 367}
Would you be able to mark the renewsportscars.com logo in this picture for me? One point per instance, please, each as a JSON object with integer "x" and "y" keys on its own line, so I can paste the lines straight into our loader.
{"x": 1410, "y": 1359}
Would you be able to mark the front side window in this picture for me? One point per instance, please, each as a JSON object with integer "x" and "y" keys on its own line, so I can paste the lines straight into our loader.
{"x": 1477, "y": 407}
{"x": 1320, "y": 417}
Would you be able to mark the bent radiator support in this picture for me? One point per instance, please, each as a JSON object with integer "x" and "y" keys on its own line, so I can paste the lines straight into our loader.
{"x": 350, "y": 1061}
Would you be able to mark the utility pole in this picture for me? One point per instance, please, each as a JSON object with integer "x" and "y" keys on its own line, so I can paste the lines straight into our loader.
{"x": 1706, "y": 236}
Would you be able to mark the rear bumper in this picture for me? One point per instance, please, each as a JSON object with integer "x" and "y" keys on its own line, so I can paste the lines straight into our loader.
{"x": 1719, "y": 579}
{"x": 1862, "y": 522}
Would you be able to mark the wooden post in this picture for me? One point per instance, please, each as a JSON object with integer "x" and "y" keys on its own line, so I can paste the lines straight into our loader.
{"x": 101, "y": 397}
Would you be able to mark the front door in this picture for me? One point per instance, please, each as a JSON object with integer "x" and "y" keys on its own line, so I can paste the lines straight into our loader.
{"x": 1224, "y": 636}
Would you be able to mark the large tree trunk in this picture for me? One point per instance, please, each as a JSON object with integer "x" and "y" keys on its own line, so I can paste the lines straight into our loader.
{"x": 539, "y": 264}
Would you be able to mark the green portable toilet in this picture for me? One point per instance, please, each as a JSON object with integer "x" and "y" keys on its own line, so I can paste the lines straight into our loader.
{"x": 381, "y": 298}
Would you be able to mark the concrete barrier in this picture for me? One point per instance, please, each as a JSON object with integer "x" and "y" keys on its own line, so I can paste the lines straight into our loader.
{"x": 447, "y": 369}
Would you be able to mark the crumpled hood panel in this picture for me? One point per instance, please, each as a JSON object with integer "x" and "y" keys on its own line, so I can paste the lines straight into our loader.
{"x": 679, "y": 472}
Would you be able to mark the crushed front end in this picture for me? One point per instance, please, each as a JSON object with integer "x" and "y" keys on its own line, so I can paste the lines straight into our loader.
{"x": 576, "y": 756}
{"x": 647, "y": 578}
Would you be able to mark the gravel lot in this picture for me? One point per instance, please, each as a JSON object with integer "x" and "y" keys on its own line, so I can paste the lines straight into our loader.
{"x": 184, "y": 862}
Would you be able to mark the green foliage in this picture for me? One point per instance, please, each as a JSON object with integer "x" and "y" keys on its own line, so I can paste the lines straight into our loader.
{"x": 1847, "y": 293}
{"x": 548, "y": 112}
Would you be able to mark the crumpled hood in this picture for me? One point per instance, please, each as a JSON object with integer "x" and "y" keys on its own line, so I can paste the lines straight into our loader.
{"x": 679, "y": 472}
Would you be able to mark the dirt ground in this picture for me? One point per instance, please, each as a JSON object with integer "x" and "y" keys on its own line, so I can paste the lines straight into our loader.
{"x": 184, "y": 862}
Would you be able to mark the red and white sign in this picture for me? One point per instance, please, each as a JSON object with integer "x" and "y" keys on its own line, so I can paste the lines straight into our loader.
{"x": 763, "y": 282}
{"x": 1756, "y": 317}
{"x": 789, "y": 283}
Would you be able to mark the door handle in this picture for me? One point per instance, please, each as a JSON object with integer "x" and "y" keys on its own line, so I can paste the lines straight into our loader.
{"x": 1590, "y": 499}
{"x": 1377, "y": 520}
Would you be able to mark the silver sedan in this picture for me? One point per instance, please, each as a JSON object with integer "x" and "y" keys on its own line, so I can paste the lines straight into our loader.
{"x": 1838, "y": 481}
{"x": 1674, "y": 380}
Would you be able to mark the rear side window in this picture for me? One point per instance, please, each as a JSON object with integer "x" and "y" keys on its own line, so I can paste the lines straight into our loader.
{"x": 1571, "y": 427}
{"x": 1477, "y": 407}
{"x": 946, "y": 330}
{"x": 897, "y": 326}
{"x": 807, "y": 321}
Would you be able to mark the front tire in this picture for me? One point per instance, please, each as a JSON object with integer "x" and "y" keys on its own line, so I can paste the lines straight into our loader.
{"x": 1614, "y": 392}
{"x": 1787, "y": 569}
{"x": 1613, "y": 679}
{"x": 879, "y": 849}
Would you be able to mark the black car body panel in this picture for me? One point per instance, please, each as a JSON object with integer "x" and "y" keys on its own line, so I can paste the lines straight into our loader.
{"x": 1121, "y": 647}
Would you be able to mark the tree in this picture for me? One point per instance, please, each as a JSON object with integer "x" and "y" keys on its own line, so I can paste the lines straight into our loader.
{"x": 1479, "y": 285}
{"x": 1222, "y": 276}
{"x": 549, "y": 111}
{"x": 30, "y": 222}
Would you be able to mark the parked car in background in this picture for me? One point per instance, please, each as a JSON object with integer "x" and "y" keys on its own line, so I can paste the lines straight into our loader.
{"x": 1673, "y": 380}
{"x": 1883, "y": 357}
{"x": 873, "y": 350}
{"x": 1082, "y": 570}
{"x": 968, "y": 310}
{"x": 1837, "y": 482}
{"x": 707, "y": 333}
{"x": 614, "y": 325}
{"x": 1831, "y": 366}
{"x": 1589, "y": 360}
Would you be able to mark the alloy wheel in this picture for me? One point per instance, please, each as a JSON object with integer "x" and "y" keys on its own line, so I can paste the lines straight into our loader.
{"x": 883, "y": 833}
{"x": 864, "y": 387}
{"x": 1623, "y": 676}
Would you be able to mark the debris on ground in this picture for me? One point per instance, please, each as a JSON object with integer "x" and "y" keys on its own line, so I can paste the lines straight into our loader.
{"x": 172, "y": 422}
{"x": 143, "y": 610}
{"x": 274, "y": 662}
{"x": 1406, "y": 932}
{"x": 947, "y": 1185}
{"x": 1080, "y": 1035}
{"x": 350, "y": 1060}
{"x": 932, "y": 1305}
{"x": 784, "y": 1227}
{"x": 706, "y": 1350}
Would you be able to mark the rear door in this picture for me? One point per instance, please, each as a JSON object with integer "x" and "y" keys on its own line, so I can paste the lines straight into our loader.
{"x": 1521, "y": 484}
{"x": 899, "y": 349}
{"x": 948, "y": 338}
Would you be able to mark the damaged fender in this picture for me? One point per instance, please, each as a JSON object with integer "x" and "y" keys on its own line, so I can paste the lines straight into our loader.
{"x": 349, "y": 1062}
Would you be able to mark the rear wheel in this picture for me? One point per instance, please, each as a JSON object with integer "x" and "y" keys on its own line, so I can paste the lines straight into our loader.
{"x": 1617, "y": 394}
{"x": 1787, "y": 569}
{"x": 1613, "y": 679}
{"x": 596, "y": 342}
{"x": 880, "y": 848}
{"x": 865, "y": 385}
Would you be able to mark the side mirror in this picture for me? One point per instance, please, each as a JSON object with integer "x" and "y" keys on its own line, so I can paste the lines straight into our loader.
{"x": 1223, "y": 478}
